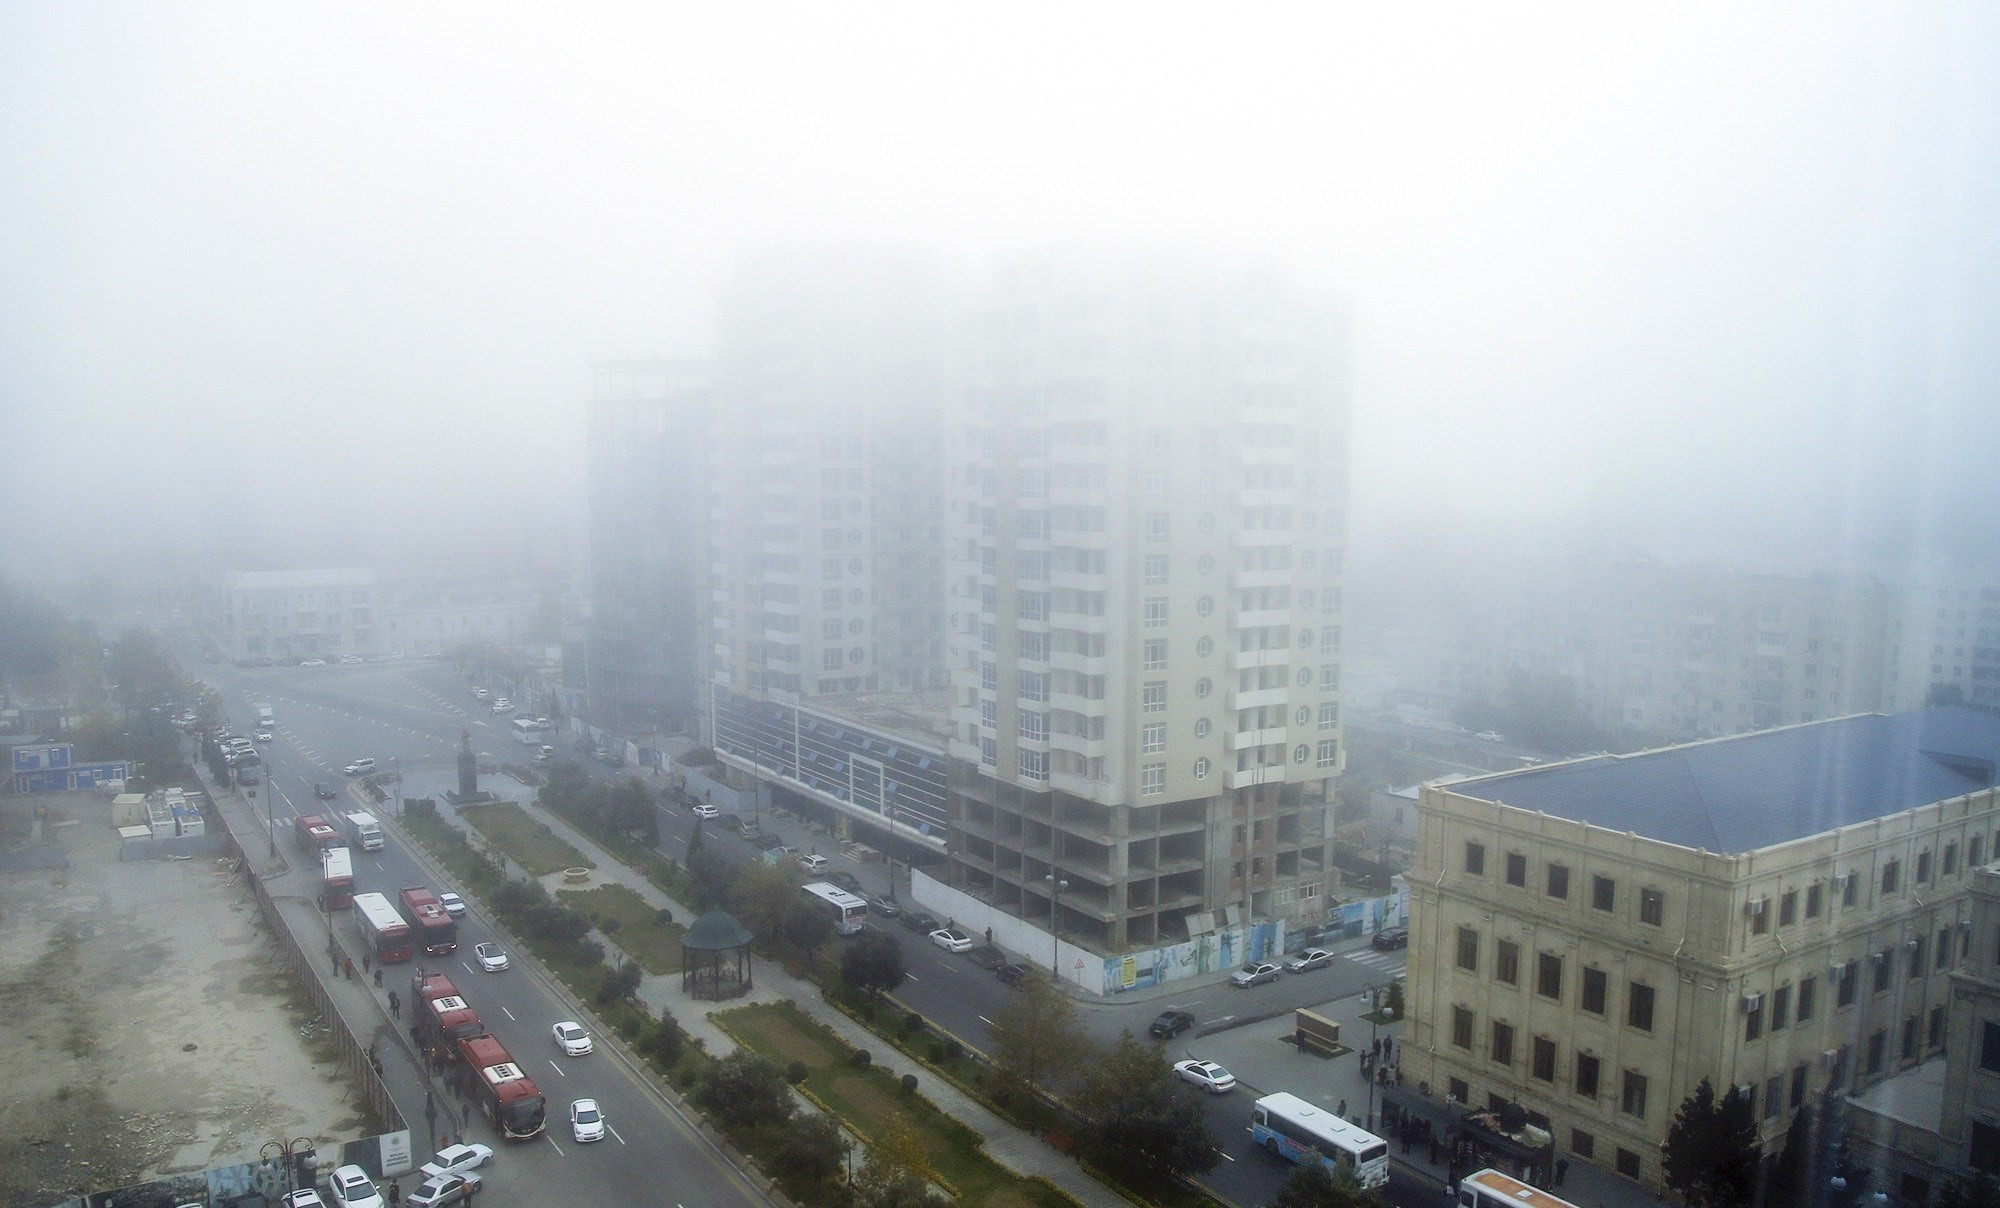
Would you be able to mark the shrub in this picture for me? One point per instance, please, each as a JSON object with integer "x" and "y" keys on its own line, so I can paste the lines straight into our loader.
{"x": 629, "y": 1025}
{"x": 937, "y": 1052}
{"x": 796, "y": 1072}
{"x": 909, "y": 1084}
{"x": 608, "y": 926}
{"x": 953, "y": 1050}
{"x": 666, "y": 916}
{"x": 860, "y": 1059}
{"x": 912, "y": 1024}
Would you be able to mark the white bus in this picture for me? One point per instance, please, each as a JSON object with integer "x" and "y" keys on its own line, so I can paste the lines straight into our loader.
{"x": 1491, "y": 1189}
{"x": 848, "y": 912}
{"x": 1299, "y": 1131}
{"x": 526, "y": 732}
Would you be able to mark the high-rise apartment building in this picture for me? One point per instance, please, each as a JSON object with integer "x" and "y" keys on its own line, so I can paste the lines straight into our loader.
{"x": 1146, "y": 534}
{"x": 650, "y": 424}
{"x": 824, "y": 558}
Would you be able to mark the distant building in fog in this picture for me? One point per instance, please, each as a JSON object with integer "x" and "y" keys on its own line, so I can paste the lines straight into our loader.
{"x": 290, "y": 615}
{"x": 650, "y": 428}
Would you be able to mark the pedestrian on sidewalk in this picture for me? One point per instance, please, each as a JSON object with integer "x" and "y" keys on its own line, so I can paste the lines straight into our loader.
{"x": 1562, "y": 1169}
{"x": 367, "y": 959}
{"x": 1341, "y": 1111}
{"x": 348, "y": 964}
{"x": 335, "y": 958}
{"x": 378, "y": 979}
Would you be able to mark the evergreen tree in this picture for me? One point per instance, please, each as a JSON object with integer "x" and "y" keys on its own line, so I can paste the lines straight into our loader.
{"x": 1979, "y": 1191}
{"x": 1710, "y": 1155}
{"x": 1312, "y": 1185}
{"x": 1143, "y": 1123}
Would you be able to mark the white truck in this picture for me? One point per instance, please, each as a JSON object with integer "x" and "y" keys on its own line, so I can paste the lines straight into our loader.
{"x": 265, "y": 717}
{"x": 363, "y": 831}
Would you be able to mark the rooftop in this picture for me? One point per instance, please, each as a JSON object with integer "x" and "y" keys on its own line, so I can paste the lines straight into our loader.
{"x": 1737, "y": 795}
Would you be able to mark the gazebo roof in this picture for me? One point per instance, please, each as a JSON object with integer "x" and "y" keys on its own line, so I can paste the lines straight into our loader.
{"x": 716, "y": 931}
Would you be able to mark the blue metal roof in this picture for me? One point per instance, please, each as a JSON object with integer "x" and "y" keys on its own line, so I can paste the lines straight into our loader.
{"x": 1736, "y": 795}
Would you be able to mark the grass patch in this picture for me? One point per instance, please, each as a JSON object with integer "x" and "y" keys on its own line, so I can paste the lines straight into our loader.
{"x": 527, "y": 842}
{"x": 866, "y": 1098}
{"x": 630, "y": 923}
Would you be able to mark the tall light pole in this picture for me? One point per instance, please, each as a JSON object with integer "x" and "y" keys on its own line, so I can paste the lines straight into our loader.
{"x": 1374, "y": 1009}
{"x": 1056, "y": 886}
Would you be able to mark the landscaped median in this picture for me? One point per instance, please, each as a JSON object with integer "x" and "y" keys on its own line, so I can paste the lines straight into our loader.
{"x": 870, "y": 1100}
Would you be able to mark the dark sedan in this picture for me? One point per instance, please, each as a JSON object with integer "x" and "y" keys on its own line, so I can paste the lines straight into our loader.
{"x": 1169, "y": 1024}
{"x": 1394, "y": 937}
{"x": 918, "y": 920}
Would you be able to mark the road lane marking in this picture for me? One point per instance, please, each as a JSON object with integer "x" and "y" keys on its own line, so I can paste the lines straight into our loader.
{"x": 550, "y": 1134}
{"x": 558, "y": 1069}
{"x": 613, "y": 1132}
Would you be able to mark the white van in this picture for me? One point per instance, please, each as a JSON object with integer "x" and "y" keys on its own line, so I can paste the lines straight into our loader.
{"x": 813, "y": 862}
{"x": 360, "y": 767}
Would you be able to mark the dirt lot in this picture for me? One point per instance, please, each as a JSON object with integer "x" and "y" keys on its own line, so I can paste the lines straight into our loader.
{"x": 150, "y": 1026}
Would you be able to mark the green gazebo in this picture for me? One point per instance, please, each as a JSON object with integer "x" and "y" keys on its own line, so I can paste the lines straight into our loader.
{"x": 715, "y": 957}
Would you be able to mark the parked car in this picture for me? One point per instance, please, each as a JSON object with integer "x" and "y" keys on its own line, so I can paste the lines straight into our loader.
{"x": 313, "y": 663}
{"x": 920, "y": 920}
{"x": 813, "y": 862}
{"x": 1169, "y": 1024}
{"x": 770, "y": 842}
{"x": 1392, "y": 938}
{"x": 348, "y": 660}
{"x": 1012, "y": 975}
{"x": 846, "y": 880}
{"x": 1490, "y": 736}
{"x": 1311, "y": 958}
{"x": 304, "y": 1197}
{"x": 883, "y": 905}
{"x": 986, "y": 956}
{"x": 456, "y": 1159}
{"x": 703, "y": 809}
{"x": 571, "y": 1038}
{"x": 491, "y": 957}
{"x": 440, "y": 1190}
{"x": 503, "y": 705}
{"x": 352, "y": 1188}
{"x": 951, "y": 939}
{"x": 747, "y": 828}
{"x": 1207, "y": 1075}
{"x": 360, "y": 767}
{"x": 1254, "y": 973}
{"x": 452, "y": 903}
{"x": 586, "y": 1120}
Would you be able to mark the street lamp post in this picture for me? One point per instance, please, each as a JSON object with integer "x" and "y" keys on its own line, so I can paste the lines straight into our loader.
{"x": 286, "y": 1150}
{"x": 1057, "y": 885}
{"x": 1375, "y": 1050}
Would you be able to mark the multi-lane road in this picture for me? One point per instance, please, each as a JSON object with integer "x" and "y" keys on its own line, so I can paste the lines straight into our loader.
{"x": 410, "y": 715}
{"x": 404, "y": 713}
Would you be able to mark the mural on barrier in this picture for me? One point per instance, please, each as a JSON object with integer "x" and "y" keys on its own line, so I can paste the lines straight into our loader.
{"x": 1223, "y": 950}
{"x": 264, "y": 1181}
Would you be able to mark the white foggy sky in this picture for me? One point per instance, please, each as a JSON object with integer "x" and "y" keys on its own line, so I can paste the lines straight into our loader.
{"x": 1697, "y": 273}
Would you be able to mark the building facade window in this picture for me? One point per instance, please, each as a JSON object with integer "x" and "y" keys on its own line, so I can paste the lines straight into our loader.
{"x": 1594, "y": 990}
{"x": 1652, "y": 906}
{"x": 1788, "y": 908}
{"x": 1152, "y": 738}
{"x": 1639, "y": 1006}
{"x": 1468, "y": 949}
{"x": 1808, "y": 986}
{"x": 1503, "y": 1044}
{"x": 1542, "y": 1063}
{"x": 1507, "y": 962}
{"x": 1461, "y": 1027}
{"x": 1559, "y": 881}
{"x": 1475, "y": 858}
{"x": 1632, "y": 1097}
{"x": 1892, "y": 875}
{"x": 1549, "y": 975}
{"x": 1152, "y": 779}
{"x": 1603, "y": 893}
{"x": 1586, "y": 1076}
{"x": 1814, "y": 895}
{"x": 1781, "y": 1008}
{"x": 1517, "y": 869}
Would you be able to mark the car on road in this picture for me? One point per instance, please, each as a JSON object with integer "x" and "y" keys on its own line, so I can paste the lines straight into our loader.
{"x": 360, "y": 767}
{"x": 1207, "y": 1075}
{"x": 324, "y": 791}
{"x": 746, "y": 829}
{"x": 951, "y": 939}
{"x": 352, "y": 1188}
{"x": 314, "y": 663}
{"x": 491, "y": 957}
{"x": 883, "y": 905}
{"x": 1011, "y": 975}
{"x": 348, "y": 660}
{"x": 586, "y": 1120}
{"x": 813, "y": 862}
{"x": 304, "y": 1197}
{"x": 1490, "y": 736}
{"x": 262, "y": 734}
{"x": 247, "y": 774}
{"x": 920, "y": 920}
{"x": 1169, "y": 1024}
{"x": 571, "y": 1038}
{"x": 440, "y": 1190}
{"x": 846, "y": 880}
{"x": 480, "y": 694}
{"x": 452, "y": 903}
{"x": 1311, "y": 958}
{"x": 1253, "y": 974}
{"x": 986, "y": 956}
{"x": 1391, "y": 939}
{"x": 456, "y": 1159}
{"x": 705, "y": 810}
{"x": 503, "y": 705}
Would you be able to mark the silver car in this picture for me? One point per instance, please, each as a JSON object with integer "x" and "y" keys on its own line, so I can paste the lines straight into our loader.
{"x": 1255, "y": 973}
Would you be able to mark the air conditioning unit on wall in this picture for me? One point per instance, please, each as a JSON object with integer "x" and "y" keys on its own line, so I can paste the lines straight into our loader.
{"x": 1752, "y": 1001}
{"x": 1754, "y": 907}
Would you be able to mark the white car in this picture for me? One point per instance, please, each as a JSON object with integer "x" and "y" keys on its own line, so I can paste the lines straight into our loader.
{"x": 1207, "y": 1075}
{"x": 352, "y": 1188}
{"x": 586, "y": 1122}
{"x": 491, "y": 957}
{"x": 1311, "y": 958}
{"x": 951, "y": 939}
{"x": 263, "y": 734}
{"x": 542, "y": 723}
{"x": 456, "y": 1159}
{"x": 360, "y": 767}
{"x": 705, "y": 810}
{"x": 479, "y": 694}
{"x": 452, "y": 903}
{"x": 1489, "y": 736}
{"x": 502, "y": 705}
{"x": 349, "y": 659}
{"x": 315, "y": 663}
{"x": 304, "y": 1197}
{"x": 443, "y": 1189}
{"x": 571, "y": 1038}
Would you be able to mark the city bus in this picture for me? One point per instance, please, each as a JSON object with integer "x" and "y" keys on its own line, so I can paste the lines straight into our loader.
{"x": 382, "y": 929}
{"x": 527, "y": 732}
{"x": 442, "y": 1013}
{"x": 848, "y": 912}
{"x": 1491, "y": 1189}
{"x": 502, "y": 1089}
{"x": 336, "y": 879}
{"x": 1299, "y": 1131}
{"x": 436, "y": 932}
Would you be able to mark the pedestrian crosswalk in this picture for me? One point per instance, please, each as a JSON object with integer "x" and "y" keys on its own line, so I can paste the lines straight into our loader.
{"x": 1387, "y": 962}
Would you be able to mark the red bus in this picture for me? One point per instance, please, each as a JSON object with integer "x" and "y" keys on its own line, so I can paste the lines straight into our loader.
{"x": 437, "y": 932}
{"x": 441, "y": 1011}
{"x": 501, "y": 1088}
{"x": 314, "y": 833}
{"x": 336, "y": 879}
{"x": 382, "y": 929}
